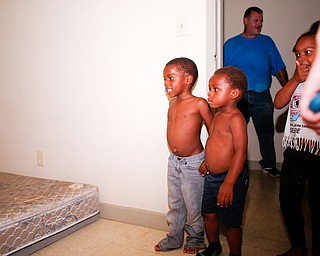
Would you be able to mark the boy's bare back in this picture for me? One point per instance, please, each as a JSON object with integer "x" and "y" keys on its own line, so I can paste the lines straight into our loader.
{"x": 185, "y": 119}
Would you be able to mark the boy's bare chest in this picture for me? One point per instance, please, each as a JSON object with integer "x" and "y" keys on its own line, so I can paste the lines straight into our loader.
{"x": 220, "y": 127}
{"x": 181, "y": 111}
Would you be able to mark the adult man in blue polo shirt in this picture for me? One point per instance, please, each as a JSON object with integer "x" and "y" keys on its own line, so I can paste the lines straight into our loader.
{"x": 258, "y": 57}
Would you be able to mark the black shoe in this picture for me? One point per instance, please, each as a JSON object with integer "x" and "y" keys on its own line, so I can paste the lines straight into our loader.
{"x": 211, "y": 252}
{"x": 273, "y": 172}
{"x": 298, "y": 251}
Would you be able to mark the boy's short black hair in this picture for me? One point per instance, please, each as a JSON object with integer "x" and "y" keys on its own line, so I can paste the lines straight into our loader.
{"x": 252, "y": 9}
{"x": 187, "y": 66}
{"x": 235, "y": 77}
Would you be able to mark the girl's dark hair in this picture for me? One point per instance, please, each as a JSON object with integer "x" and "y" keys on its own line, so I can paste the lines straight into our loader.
{"x": 311, "y": 32}
{"x": 314, "y": 26}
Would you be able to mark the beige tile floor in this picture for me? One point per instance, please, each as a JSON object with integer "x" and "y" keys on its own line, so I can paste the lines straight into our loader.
{"x": 263, "y": 230}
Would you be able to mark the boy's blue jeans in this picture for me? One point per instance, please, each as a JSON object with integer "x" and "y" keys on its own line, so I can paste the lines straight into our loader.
{"x": 185, "y": 189}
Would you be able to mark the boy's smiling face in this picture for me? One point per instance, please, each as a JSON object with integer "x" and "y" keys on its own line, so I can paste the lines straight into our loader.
{"x": 174, "y": 80}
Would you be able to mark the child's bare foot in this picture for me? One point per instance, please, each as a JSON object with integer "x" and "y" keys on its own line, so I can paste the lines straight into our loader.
{"x": 190, "y": 250}
{"x": 157, "y": 248}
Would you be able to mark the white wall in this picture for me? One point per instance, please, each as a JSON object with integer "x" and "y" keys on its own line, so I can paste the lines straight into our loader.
{"x": 81, "y": 80}
{"x": 284, "y": 21}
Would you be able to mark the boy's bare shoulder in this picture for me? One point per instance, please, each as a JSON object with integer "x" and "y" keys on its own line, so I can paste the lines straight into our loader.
{"x": 232, "y": 116}
{"x": 238, "y": 115}
{"x": 199, "y": 98}
{"x": 237, "y": 121}
{"x": 200, "y": 101}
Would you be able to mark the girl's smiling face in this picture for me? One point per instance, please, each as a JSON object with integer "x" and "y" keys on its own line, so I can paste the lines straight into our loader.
{"x": 304, "y": 50}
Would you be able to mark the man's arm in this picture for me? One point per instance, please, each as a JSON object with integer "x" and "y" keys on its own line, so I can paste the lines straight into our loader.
{"x": 282, "y": 76}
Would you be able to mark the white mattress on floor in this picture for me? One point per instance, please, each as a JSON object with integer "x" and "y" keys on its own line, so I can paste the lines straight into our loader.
{"x": 32, "y": 209}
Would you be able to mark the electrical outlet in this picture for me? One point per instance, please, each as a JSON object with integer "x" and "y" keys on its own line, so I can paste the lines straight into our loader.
{"x": 40, "y": 158}
{"x": 182, "y": 26}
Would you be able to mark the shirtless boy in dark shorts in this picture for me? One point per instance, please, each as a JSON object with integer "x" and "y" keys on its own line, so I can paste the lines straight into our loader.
{"x": 226, "y": 178}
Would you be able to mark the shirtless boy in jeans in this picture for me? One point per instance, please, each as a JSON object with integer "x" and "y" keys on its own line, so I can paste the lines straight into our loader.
{"x": 186, "y": 114}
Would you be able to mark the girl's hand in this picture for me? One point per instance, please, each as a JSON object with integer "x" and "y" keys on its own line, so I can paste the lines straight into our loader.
{"x": 301, "y": 72}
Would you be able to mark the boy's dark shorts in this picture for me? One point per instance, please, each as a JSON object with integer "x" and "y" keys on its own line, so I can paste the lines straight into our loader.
{"x": 230, "y": 217}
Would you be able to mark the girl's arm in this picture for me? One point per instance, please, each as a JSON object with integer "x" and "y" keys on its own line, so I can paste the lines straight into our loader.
{"x": 283, "y": 96}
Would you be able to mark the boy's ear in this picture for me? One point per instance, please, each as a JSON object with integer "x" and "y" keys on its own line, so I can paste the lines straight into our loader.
{"x": 235, "y": 93}
{"x": 189, "y": 79}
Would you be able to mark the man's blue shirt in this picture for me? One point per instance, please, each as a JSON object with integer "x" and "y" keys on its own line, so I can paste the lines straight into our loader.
{"x": 257, "y": 57}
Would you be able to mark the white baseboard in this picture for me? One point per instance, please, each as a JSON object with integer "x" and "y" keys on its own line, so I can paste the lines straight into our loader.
{"x": 134, "y": 216}
{"x": 146, "y": 218}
